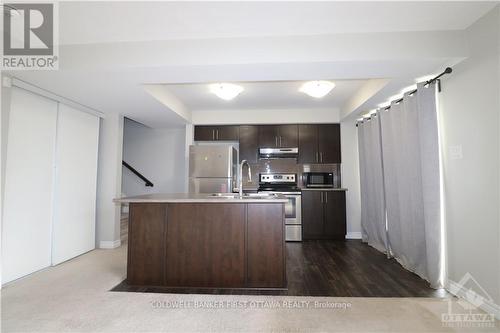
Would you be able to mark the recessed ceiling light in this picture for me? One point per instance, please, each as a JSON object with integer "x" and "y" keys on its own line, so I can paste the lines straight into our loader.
{"x": 226, "y": 91}
{"x": 317, "y": 89}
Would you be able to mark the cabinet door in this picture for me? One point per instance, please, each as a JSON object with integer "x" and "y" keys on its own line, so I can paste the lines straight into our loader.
{"x": 227, "y": 133}
{"x": 146, "y": 238}
{"x": 308, "y": 144}
{"x": 335, "y": 214}
{"x": 204, "y": 133}
{"x": 312, "y": 215}
{"x": 249, "y": 143}
{"x": 329, "y": 143}
{"x": 288, "y": 136}
{"x": 268, "y": 136}
{"x": 205, "y": 245}
{"x": 266, "y": 246}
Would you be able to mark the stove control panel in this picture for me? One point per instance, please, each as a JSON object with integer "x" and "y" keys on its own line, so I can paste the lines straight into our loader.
{"x": 278, "y": 178}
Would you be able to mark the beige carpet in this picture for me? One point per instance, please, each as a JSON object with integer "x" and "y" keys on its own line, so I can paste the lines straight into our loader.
{"x": 74, "y": 296}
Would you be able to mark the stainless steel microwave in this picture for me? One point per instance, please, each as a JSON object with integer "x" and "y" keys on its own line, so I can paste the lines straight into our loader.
{"x": 318, "y": 179}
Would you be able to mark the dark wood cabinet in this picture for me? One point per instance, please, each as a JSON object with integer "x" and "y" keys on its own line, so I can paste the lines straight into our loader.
{"x": 312, "y": 215}
{"x": 308, "y": 144}
{"x": 216, "y": 133}
{"x": 323, "y": 215}
{"x": 207, "y": 245}
{"x": 335, "y": 214}
{"x": 319, "y": 143}
{"x": 329, "y": 143}
{"x": 288, "y": 136}
{"x": 266, "y": 246}
{"x": 227, "y": 133}
{"x": 278, "y": 136}
{"x": 249, "y": 143}
{"x": 146, "y": 244}
{"x": 268, "y": 136}
{"x": 204, "y": 133}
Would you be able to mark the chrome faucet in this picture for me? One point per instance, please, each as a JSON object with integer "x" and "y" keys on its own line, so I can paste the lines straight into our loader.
{"x": 241, "y": 175}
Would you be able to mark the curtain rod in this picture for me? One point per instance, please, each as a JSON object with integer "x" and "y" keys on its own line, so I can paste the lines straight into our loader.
{"x": 447, "y": 70}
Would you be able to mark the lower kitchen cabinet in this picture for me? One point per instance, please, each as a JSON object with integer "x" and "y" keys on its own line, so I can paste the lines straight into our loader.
{"x": 323, "y": 215}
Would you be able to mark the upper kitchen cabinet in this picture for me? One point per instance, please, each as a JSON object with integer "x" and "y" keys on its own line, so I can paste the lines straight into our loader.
{"x": 278, "y": 136}
{"x": 216, "y": 133}
{"x": 329, "y": 143}
{"x": 319, "y": 143}
{"x": 308, "y": 144}
{"x": 249, "y": 143}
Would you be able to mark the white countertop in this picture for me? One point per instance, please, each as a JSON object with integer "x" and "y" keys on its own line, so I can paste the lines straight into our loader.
{"x": 200, "y": 198}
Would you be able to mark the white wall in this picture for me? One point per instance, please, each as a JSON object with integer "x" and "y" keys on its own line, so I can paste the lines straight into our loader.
{"x": 109, "y": 180}
{"x": 350, "y": 177}
{"x": 158, "y": 154}
{"x": 265, "y": 116}
{"x": 469, "y": 116}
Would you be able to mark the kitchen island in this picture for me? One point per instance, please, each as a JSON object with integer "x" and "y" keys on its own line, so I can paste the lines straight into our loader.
{"x": 206, "y": 241}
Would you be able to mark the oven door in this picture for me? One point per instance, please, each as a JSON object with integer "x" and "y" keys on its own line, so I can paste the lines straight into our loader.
{"x": 293, "y": 207}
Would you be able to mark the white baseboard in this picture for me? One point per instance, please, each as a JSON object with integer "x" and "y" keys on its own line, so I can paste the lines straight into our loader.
{"x": 464, "y": 293}
{"x": 353, "y": 235}
{"x": 110, "y": 244}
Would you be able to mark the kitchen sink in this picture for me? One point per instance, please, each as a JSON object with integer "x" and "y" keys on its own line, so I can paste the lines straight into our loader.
{"x": 245, "y": 196}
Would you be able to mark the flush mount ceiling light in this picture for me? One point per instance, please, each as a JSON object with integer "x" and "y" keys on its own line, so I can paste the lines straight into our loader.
{"x": 317, "y": 89}
{"x": 226, "y": 91}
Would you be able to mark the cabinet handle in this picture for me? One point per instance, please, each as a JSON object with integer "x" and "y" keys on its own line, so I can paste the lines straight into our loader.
{"x": 213, "y": 135}
{"x": 280, "y": 140}
{"x": 317, "y": 159}
{"x": 276, "y": 141}
{"x": 326, "y": 197}
{"x": 217, "y": 134}
{"x": 321, "y": 157}
{"x": 321, "y": 195}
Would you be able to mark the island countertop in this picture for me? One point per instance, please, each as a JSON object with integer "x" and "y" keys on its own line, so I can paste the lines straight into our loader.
{"x": 202, "y": 198}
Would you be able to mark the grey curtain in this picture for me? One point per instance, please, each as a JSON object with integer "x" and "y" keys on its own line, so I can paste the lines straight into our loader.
{"x": 410, "y": 146}
{"x": 400, "y": 183}
{"x": 373, "y": 226}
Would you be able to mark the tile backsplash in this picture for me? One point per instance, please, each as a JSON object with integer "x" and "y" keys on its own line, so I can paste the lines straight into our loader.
{"x": 288, "y": 166}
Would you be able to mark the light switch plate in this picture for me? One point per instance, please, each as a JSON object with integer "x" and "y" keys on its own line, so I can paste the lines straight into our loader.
{"x": 456, "y": 152}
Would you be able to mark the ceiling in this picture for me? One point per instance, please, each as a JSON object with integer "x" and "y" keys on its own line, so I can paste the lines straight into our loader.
{"x": 110, "y": 52}
{"x": 104, "y": 22}
{"x": 264, "y": 95}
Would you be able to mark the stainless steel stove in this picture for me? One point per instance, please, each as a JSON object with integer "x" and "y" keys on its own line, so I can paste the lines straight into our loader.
{"x": 286, "y": 184}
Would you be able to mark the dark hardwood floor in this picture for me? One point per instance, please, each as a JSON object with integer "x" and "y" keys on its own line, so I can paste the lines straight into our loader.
{"x": 330, "y": 268}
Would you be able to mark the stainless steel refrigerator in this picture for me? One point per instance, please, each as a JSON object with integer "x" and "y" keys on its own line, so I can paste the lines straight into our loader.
{"x": 212, "y": 168}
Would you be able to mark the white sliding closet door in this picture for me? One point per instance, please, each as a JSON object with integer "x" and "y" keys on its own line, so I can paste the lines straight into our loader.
{"x": 76, "y": 181}
{"x": 29, "y": 177}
